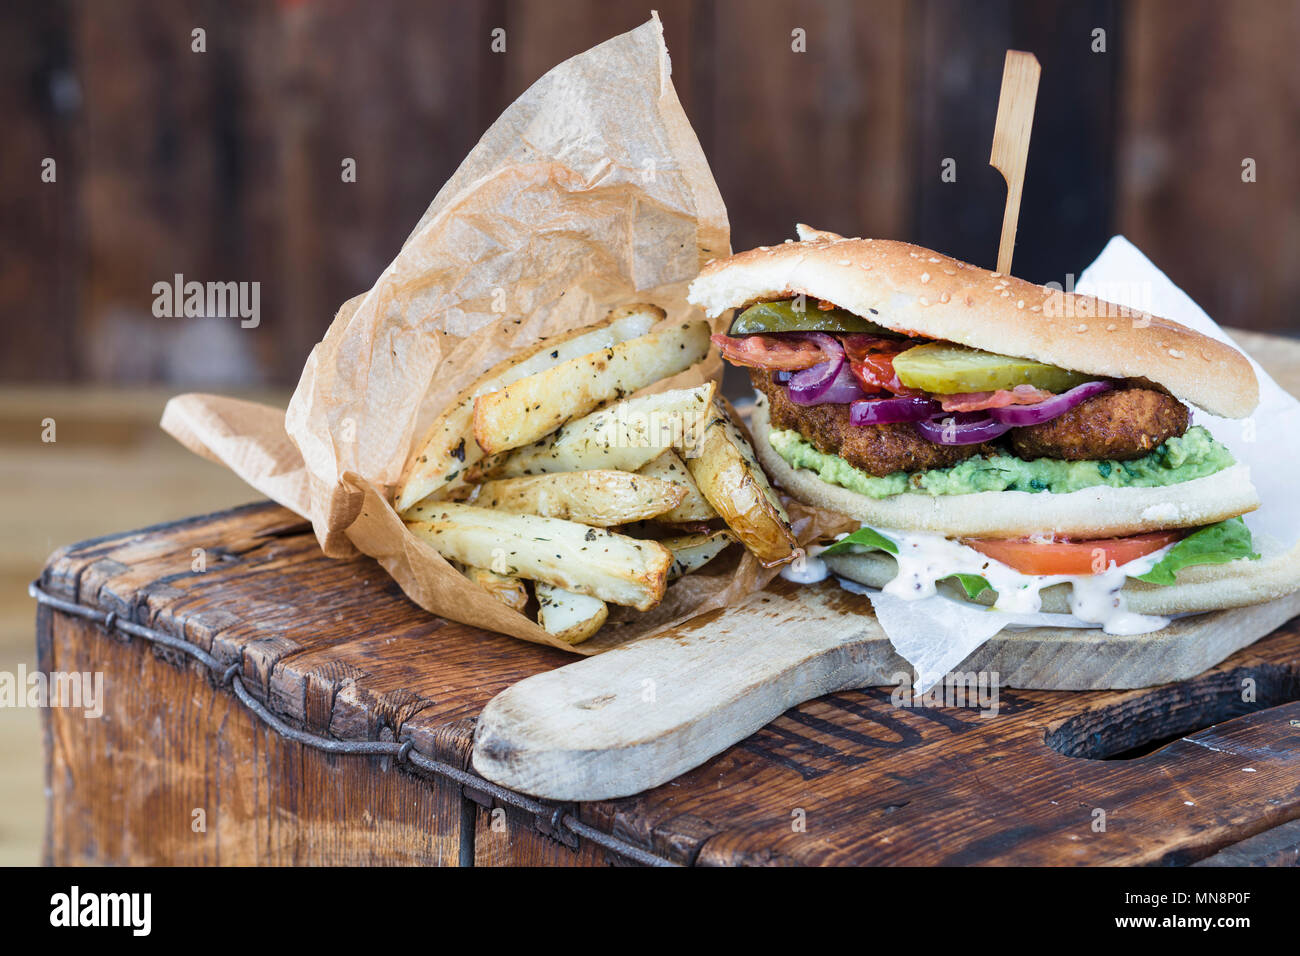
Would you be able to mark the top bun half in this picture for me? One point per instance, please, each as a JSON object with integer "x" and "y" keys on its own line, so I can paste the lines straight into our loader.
{"x": 913, "y": 290}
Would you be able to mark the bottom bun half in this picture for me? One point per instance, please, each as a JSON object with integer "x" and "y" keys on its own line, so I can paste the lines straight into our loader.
{"x": 1206, "y": 587}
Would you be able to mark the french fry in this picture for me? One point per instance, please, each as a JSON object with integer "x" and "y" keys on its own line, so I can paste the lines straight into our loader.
{"x": 568, "y": 555}
{"x": 626, "y": 435}
{"x": 693, "y": 551}
{"x": 730, "y": 477}
{"x": 532, "y": 407}
{"x": 600, "y": 497}
{"x": 568, "y": 616}
{"x": 448, "y": 447}
{"x": 509, "y": 591}
{"x": 694, "y": 507}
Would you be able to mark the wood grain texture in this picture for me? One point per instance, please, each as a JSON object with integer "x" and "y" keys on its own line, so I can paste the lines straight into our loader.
{"x": 334, "y": 647}
{"x": 640, "y": 715}
{"x": 177, "y": 772}
{"x": 226, "y": 165}
{"x": 1183, "y": 138}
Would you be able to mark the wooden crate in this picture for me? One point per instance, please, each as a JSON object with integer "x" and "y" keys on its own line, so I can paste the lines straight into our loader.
{"x": 333, "y": 649}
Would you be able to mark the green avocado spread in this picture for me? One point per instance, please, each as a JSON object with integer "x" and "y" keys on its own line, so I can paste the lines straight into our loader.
{"x": 1193, "y": 455}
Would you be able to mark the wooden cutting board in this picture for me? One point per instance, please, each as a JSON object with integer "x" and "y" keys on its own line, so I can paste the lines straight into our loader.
{"x": 639, "y": 715}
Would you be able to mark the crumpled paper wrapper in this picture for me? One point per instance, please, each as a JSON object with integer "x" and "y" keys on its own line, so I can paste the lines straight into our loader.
{"x": 936, "y": 634}
{"x": 589, "y": 192}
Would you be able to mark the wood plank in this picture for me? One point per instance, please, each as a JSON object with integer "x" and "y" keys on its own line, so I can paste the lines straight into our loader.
{"x": 1279, "y": 846}
{"x": 832, "y": 119}
{"x": 1204, "y": 83}
{"x": 176, "y": 771}
{"x": 41, "y": 99}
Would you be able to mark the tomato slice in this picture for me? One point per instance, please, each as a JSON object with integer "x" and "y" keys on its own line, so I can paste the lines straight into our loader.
{"x": 1063, "y": 556}
{"x": 871, "y": 360}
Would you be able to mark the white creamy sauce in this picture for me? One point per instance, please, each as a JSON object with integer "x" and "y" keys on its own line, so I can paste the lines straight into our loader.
{"x": 807, "y": 568}
{"x": 924, "y": 559}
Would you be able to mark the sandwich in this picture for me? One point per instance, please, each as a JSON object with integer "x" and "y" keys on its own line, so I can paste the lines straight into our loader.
{"x": 998, "y": 441}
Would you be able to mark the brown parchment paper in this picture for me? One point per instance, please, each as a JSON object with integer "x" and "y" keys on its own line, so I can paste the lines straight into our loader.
{"x": 590, "y": 191}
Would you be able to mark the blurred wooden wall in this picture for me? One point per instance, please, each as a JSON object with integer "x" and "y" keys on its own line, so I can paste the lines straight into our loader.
{"x": 226, "y": 165}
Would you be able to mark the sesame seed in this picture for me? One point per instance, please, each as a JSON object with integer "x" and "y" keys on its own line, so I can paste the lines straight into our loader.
{"x": 945, "y": 297}
{"x": 996, "y": 275}
{"x": 1020, "y": 303}
{"x": 1006, "y": 294}
{"x": 844, "y": 262}
{"x": 1174, "y": 353}
{"x": 950, "y": 272}
{"x": 1081, "y": 328}
{"x": 933, "y": 259}
{"x": 1111, "y": 327}
{"x": 1035, "y": 308}
{"x": 925, "y": 277}
{"x": 924, "y": 301}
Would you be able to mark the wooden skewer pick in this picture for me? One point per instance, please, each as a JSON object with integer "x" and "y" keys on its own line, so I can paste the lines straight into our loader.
{"x": 1011, "y": 140}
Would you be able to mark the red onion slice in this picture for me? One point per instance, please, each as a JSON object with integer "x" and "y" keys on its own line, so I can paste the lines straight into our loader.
{"x": 889, "y": 411}
{"x": 840, "y": 390}
{"x": 1054, "y": 407}
{"x": 808, "y": 386}
{"x": 829, "y": 344}
{"x": 961, "y": 428}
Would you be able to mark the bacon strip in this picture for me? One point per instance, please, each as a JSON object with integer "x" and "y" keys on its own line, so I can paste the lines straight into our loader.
{"x": 777, "y": 353}
{"x": 978, "y": 401}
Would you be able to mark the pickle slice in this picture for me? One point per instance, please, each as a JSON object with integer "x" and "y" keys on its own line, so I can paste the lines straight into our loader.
{"x": 947, "y": 369}
{"x": 782, "y": 316}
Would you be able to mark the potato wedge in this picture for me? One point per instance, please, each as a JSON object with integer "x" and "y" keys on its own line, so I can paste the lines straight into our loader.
{"x": 509, "y": 591}
{"x": 600, "y": 497}
{"x": 730, "y": 477}
{"x": 694, "y": 507}
{"x": 568, "y": 616}
{"x": 626, "y": 435}
{"x": 572, "y": 556}
{"x": 448, "y": 447}
{"x": 533, "y": 407}
{"x": 694, "y": 551}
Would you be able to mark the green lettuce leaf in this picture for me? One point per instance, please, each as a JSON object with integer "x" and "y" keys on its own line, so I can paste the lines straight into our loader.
{"x": 870, "y": 538}
{"x": 1217, "y": 544}
{"x": 973, "y": 583}
{"x": 863, "y": 538}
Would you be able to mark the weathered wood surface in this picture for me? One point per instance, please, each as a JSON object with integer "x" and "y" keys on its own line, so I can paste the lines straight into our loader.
{"x": 226, "y": 165}
{"x": 335, "y": 648}
{"x": 639, "y": 715}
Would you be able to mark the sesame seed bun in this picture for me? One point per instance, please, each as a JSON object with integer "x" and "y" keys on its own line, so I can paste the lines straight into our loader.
{"x": 911, "y": 289}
